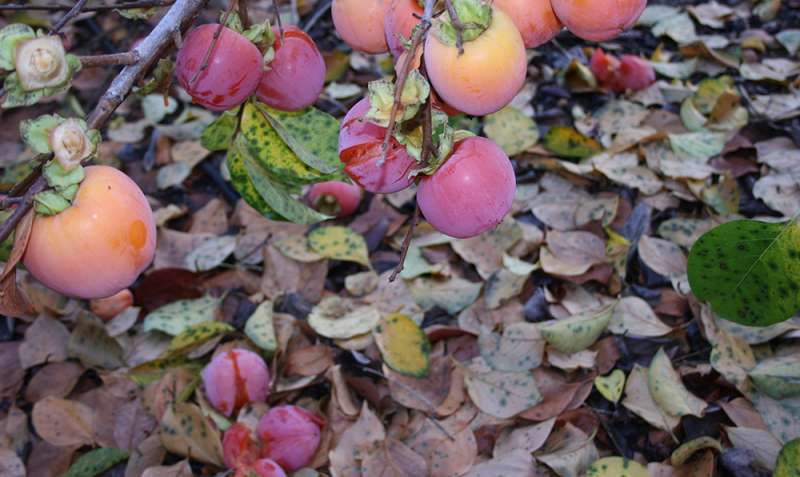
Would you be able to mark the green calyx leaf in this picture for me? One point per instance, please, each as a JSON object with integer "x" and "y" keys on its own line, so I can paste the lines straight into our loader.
{"x": 442, "y": 135}
{"x": 262, "y": 36}
{"x": 162, "y": 78}
{"x": 475, "y": 17}
{"x": 234, "y": 21}
{"x": 10, "y": 36}
{"x": 381, "y": 98}
{"x": 36, "y": 132}
{"x": 64, "y": 186}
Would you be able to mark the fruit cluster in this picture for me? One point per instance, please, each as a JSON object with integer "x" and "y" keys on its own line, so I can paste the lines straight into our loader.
{"x": 286, "y": 438}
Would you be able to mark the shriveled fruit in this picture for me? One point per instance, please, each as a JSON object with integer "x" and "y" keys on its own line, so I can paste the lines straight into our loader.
{"x": 535, "y": 19}
{"x": 335, "y": 198}
{"x": 360, "y": 23}
{"x": 239, "y": 448}
{"x": 100, "y": 244}
{"x": 598, "y": 20}
{"x": 297, "y": 73}
{"x": 471, "y": 192}
{"x": 628, "y": 72}
{"x": 401, "y": 18}
{"x": 109, "y": 307}
{"x": 290, "y": 436}
{"x": 235, "y": 378}
{"x": 360, "y": 145}
{"x": 489, "y": 73}
{"x": 233, "y": 71}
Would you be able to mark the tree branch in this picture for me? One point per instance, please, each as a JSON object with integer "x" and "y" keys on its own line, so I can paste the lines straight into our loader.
{"x": 72, "y": 13}
{"x": 114, "y": 59}
{"x": 96, "y": 8}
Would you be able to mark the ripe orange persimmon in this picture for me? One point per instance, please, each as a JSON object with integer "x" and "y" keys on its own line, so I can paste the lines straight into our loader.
{"x": 489, "y": 73}
{"x": 598, "y": 20}
{"x": 401, "y": 18}
{"x": 535, "y": 20}
{"x": 360, "y": 23}
{"x": 100, "y": 244}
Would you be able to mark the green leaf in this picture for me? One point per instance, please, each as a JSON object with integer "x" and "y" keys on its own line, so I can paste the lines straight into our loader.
{"x": 271, "y": 152}
{"x": 577, "y": 332}
{"x": 668, "y": 391}
{"x": 616, "y": 467}
{"x": 240, "y": 179}
{"x": 186, "y": 431}
{"x": 176, "y": 317}
{"x": 565, "y": 141}
{"x": 195, "y": 335}
{"x": 260, "y": 328}
{"x": 778, "y": 377}
{"x": 788, "y": 464}
{"x": 278, "y": 198}
{"x": 403, "y": 345}
{"x": 10, "y": 35}
{"x": 611, "y": 386}
{"x": 96, "y": 461}
{"x": 218, "y": 135}
{"x": 339, "y": 243}
{"x": 749, "y": 271}
{"x": 36, "y": 132}
{"x": 700, "y": 145}
{"x": 511, "y": 130}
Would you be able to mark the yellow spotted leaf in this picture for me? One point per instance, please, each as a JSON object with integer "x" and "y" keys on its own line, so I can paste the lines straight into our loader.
{"x": 617, "y": 467}
{"x": 565, "y": 141}
{"x": 339, "y": 243}
{"x": 403, "y": 345}
{"x": 611, "y": 386}
{"x": 195, "y": 335}
{"x": 577, "y": 332}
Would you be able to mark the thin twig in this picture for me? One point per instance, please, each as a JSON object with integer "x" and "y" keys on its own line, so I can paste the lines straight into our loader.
{"x": 72, "y": 13}
{"x": 244, "y": 14}
{"x": 96, "y": 8}
{"x": 406, "y": 244}
{"x": 7, "y": 202}
{"x": 214, "y": 40}
{"x": 114, "y": 59}
{"x": 277, "y": 14}
{"x": 22, "y": 209}
{"x": 317, "y": 15}
{"x": 459, "y": 27}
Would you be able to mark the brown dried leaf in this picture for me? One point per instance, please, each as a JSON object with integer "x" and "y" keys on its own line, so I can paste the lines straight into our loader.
{"x": 54, "y": 379}
{"x": 394, "y": 459}
{"x": 45, "y": 341}
{"x": 62, "y": 422}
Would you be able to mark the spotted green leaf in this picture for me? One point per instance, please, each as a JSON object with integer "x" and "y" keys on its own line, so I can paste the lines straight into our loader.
{"x": 616, "y": 467}
{"x": 339, "y": 243}
{"x": 267, "y": 147}
{"x": 686, "y": 450}
{"x": 241, "y": 181}
{"x": 260, "y": 328}
{"x": 195, "y": 335}
{"x": 511, "y": 130}
{"x": 788, "y": 464}
{"x": 611, "y": 386}
{"x": 218, "y": 135}
{"x": 187, "y": 432}
{"x": 310, "y": 133}
{"x": 749, "y": 271}
{"x": 96, "y": 461}
{"x": 210, "y": 254}
{"x": 335, "y": 317}
{"x": 403, "y": 345}
{"x": 565, "y": 141}
{"x": 176, "y": 317}
{"x": 577, "y": 332}
{"x": 778, "y": 377}
{"x": 668, "y": 391}
{"x": 499, "y": 393}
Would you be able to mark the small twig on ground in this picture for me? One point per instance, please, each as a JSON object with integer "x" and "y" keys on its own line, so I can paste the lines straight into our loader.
{"x": 459, "y": 27}
{"x": 114, "y": 59}
{"x": 72, "y": 13}
{"x": 214, "y": 40}
{"x": 406, "y": 244}
{"x": 96, "y": 8}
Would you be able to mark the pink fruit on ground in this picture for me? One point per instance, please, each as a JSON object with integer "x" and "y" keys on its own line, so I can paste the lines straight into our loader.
{"x": 268, "y": 468}
{"x": 234, "y": 67}
{"x": 471, "y": 192}
{"x": 489, "y": 73}
{"x": 235, "y": 378}
{"x": 239, "y": 449}
{"x": 297, "y": 73}
{"x": 401, "y": 18}
{"x": 100, "y": 244}
{"x": 336, "y": 198}
{"x": 598, "y": 20}
{"x": 360, "y": 24}
{"x": 360, "y": 145}
{"x": 630, "y": 72}
{"x": 535, "y": 20}
{"x": 290, "y": 436}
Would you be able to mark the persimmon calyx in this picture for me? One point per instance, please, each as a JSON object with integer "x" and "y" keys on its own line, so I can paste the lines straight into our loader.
{"x": 69, "y": 140}
{"x": 381, "y": 95}
{"x": 475, "y": 17}
{"x": 41, "y": 63}
{"x": 64, "y": 187}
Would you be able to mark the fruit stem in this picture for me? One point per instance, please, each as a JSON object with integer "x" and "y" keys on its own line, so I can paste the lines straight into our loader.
{"x": 406, "y": 243}
{"x": 459, "y": 27}
{"x": 416, "y": 41}
{"x": 207, "y": 57}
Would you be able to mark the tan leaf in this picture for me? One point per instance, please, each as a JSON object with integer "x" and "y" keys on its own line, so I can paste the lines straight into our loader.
{"x": 394, "y": 459}
{"x": 64, "y": 423}
{"x": 361, "y": 439}
{"x": 186, "y": 431}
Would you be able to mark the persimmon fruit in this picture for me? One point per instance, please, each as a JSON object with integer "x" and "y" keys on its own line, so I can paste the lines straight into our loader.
{"x": 621, "y": 74}
{"x": 598, "y": 20}
{"x": 290, "y": 436}
{"x": 235, "y": 378}
{"x": 360, "y": 23}
{"x": 335, "y": 198}
{"x": 401, "y": 18}
{"x": 535, "y": 19}
{"x": 100, "y": 244}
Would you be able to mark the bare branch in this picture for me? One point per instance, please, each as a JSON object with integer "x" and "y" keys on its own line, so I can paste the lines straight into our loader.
{"x": 115, "y": 59}
{"x": 96, "y": 8}
{"x": 72, "y": 13}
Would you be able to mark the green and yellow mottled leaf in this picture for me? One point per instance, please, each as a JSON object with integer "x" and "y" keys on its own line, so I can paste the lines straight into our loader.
{"x": 788, "y": 464}
{"x": 339, "y": 243}
{"x": 687, "y": 449}
{"x": 95, "y": 462}
{"x": 187, "y": 432}
{"x": 565, "y": 141}
{"x": 178, "y": 316}
{"x": 511, "y": 130}
{"x": 260, "y": 328}
{"x": 244, "y": 185}
{"x": 611, "y": 386}
{"x": 577, "y": 332}
{"x": 218, "y": 135}
{"x": 616, "y": 467}
{"x": 403, "y": 345}
{"x": 778, "y": 377}
{"x": 195, "y": 335}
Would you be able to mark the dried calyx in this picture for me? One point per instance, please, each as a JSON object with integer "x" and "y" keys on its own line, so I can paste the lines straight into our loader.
{"x": 41, "y": 63}
{"x": 71, "y": 144}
